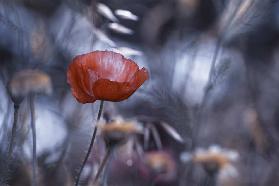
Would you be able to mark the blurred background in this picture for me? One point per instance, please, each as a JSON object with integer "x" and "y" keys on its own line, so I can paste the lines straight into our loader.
{"x": 208, "y": 115}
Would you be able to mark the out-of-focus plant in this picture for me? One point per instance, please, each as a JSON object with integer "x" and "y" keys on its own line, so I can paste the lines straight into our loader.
{"x": 28, "y": 83}
{"x": 158, "y": 166}
{"x": 218, "y": 162}
{"x": 114, "y": 134}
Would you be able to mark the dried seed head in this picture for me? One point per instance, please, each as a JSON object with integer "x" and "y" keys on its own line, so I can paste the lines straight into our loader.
{"x": 158, "y": 162}
{"x": 160, "y": 166}
{"x": 118, "y": 131}
{"x": 215, "y": 157}
{"x": 27, "y": 82}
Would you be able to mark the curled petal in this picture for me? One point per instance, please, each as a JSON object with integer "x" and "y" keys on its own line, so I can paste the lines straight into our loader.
{"x": 104, "y": 75}
{"x": 117, "y": 91}
{"x": 74, "y": 77}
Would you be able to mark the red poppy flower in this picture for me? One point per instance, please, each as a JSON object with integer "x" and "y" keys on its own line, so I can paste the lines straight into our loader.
{"x": 104, "y": 75}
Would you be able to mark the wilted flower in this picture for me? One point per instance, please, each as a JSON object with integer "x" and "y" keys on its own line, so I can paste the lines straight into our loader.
{"x": 104, "y": 75}
{"x": 159, "y": 166}
{"x": 215, "y": 155}
{"x": 217, "y": 161}
{"x": 27, "y": 82}
{"x": 118, "y": 131}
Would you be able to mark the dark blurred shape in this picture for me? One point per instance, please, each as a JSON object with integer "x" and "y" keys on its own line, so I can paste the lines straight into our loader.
{"x": 159, "y": 167}
{"x": 44, "y": 7}
{"x": 158, "y": 20}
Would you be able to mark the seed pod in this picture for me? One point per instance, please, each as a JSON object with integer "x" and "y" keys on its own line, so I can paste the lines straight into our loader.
{"x": 159, "y": 166}
{"x": 215, "y": 158}
{"x": 27, "y": 82}
{"x": 118, "y": 132}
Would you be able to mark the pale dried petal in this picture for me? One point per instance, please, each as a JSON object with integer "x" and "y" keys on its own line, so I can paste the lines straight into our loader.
{"x": 116, "y": 27}
{"x": 126, "y": 14}
{"x": 105, "y": 11}
{"x": 172, "y": 132}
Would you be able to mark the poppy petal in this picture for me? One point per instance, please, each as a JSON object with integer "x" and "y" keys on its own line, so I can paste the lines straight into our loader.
{"x": 104, "y": 75}
{"x": 74, "y": 79}
{"x": 105, "y": 89}
{"x": 110, "y": 65}
{"x": 139, "y": 78}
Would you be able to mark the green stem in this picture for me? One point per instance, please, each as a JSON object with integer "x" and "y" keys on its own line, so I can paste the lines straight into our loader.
{"x": 91, "y": 143}
{"x": 10, "y": 150}
{"x": 34, "y": 153}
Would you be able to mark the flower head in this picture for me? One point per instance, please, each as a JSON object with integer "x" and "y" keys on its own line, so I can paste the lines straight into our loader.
{"x": 104, "y": 75}
{"x": 119, "y": 131}
{"x": 215, "y": 155}
{"x": 159, "y": 165}
{"x": 26, "y": 82}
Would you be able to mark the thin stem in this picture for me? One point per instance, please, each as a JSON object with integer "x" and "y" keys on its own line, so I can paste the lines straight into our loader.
{"x": 91, "y": 143}
{"x": 212, "y": 76}
{"x": 16, "y": 108}
{"x": 104, "y": 162}
{"x": 146, "y": 138}
{"x": 208, "y": 87}
{"x": 156, "y": 137}
{"x": 34, "y": 156}
{"x": 5, "y": 121}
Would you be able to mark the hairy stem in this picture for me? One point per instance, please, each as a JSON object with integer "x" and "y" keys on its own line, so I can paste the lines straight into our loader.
{"x": 34, "y": 149}
{"x": 91, "y": 143}
{"x": 208, "y": 87}
{"x": 212, "y": 75}
{"x": 16, "y": 108}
